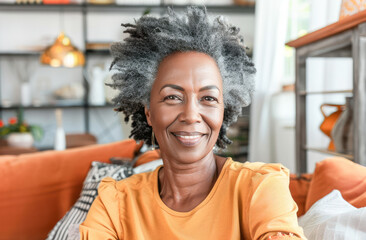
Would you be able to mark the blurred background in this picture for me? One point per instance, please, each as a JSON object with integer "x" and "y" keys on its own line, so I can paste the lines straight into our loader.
{"x": 35, "y": 84}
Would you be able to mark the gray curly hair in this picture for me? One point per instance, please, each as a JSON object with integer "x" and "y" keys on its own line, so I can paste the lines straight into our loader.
{"x": 151, "y": 39}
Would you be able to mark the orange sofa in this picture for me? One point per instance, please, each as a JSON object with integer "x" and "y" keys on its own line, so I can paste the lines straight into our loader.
{"x": 37, "y": 189}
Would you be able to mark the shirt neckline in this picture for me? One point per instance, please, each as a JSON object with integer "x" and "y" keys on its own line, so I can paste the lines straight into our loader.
{"x": 199, "y": 206}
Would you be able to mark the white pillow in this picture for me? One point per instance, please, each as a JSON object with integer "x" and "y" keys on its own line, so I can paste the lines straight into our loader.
{"x": 334, "y": 218}
{"x": 148, "y": 167}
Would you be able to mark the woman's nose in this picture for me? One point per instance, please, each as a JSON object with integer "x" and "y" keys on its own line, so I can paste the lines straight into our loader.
{"x": 190, "y": 113}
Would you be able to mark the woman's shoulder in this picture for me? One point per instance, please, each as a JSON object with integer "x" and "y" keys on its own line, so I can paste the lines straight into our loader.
{"x": 259, "y": 168}
{"x": 134, "y": 182}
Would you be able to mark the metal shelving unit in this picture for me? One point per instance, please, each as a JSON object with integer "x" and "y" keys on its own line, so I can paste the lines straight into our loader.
{"x": 345, "y": 38}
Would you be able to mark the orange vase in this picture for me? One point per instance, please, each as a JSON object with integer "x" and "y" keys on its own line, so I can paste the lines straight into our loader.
{"x": 329, "y": 122}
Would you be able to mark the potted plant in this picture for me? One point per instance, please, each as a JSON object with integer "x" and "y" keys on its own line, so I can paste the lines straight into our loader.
{"x": 18, "y": 133}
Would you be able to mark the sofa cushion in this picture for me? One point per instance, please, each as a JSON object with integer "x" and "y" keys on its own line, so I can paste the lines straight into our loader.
{"x": 299, "y": 188}
{"x": 342, "y": 174}
{"x": 37, "y": 189}
{"x": 78, "y": 212}
{"x": 148, "y": 156}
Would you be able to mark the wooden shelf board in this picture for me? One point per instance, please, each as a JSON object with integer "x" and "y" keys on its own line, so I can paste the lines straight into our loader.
{"x": 321, "y": 150}
{"x": 332, "y": 29}
{"x": 98, "y": 45}
{"x": 324, "y": 92}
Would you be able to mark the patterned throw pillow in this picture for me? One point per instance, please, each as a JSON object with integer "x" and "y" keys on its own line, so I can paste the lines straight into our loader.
{"x": 78, "y": 212}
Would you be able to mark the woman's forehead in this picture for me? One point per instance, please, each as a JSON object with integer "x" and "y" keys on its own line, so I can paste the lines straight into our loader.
{"x": 195, "y": 67}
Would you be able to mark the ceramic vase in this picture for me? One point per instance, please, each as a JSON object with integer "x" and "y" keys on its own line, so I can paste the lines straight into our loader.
{"x": 96, "y": 93}
{"x": 342, "y": 132}
{"x": 25, "y": 94}
{"x": 329, "y": 121}
{"x": 21, "y": 140}
{"x": 60, "y": 137}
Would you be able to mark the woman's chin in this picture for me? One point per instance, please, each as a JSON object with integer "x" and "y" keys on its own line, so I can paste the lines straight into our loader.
{"x": 186, "y": 156}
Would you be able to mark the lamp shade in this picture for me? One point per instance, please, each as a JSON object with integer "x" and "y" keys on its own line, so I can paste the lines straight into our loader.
{"x": 62, "y": 54}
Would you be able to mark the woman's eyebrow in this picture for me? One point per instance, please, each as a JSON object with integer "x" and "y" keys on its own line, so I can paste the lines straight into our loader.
{"x": 172, "y": 86}
{"x": 209, "y": 87}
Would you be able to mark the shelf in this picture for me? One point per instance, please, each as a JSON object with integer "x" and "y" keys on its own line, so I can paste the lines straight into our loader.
{"x": 98, "y": 52}
{"x": 40, "y": 7}
{"x": 304, "y": 93}
{"x": 51, "y": 106}
{"x": 321, "y": 150}
{"x": 117, "y": 7}
{"x": 20, "y": 54}
{"x": 14, "y": 107}
{"x": 94, "y": 48}
{"x": 101, "y": 48}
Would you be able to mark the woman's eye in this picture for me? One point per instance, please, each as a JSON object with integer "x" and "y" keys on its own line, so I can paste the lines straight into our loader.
{"x": 171, "y": 98}
{"x": 209, "y": 99}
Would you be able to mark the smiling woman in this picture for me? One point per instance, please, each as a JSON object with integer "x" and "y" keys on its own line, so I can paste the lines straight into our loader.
{"x": 184, "y": 79}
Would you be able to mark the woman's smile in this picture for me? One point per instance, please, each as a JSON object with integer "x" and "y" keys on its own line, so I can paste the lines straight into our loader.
{"x": 188, "y": 139}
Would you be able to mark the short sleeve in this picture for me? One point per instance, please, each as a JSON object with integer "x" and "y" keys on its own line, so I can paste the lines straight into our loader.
{"x": 272, "y": 208}
{"x": 102, "y": 221}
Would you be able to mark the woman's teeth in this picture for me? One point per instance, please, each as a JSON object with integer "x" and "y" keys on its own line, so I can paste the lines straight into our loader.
{"x": 188, "y": 137}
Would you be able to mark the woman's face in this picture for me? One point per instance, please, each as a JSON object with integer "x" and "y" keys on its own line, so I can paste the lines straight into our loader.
{"x": 186, "y": 106}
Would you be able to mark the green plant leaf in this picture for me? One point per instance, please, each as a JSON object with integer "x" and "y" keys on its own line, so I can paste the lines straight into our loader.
{"x": 37, "y": 132}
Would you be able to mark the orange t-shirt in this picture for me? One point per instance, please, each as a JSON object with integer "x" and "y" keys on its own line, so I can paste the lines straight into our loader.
{"x": 248, "y": 201}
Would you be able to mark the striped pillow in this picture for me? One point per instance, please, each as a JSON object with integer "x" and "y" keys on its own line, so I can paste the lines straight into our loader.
{"x": 78, "y": 212}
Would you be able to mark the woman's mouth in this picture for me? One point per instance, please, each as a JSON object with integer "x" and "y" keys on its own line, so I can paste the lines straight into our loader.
{"x": 188, "y": 139}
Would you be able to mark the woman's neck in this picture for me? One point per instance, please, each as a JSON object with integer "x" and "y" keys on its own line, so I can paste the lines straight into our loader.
{"x": 184, "y": 186}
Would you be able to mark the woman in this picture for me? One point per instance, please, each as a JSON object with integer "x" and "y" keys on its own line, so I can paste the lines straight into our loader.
{"x": 183, "y": 80}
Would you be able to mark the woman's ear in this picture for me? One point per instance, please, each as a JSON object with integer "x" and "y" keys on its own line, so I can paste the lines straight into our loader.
{"x": 148, "y": 116}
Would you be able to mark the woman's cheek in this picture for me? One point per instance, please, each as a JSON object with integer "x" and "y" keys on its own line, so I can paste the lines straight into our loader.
{"x": 164, "y": 116}
{"x": 213, "y": 117}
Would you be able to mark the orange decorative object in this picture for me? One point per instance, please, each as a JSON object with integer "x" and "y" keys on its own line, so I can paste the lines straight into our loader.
{"x": 245, "y": 2}
{"x": 329, "y": 122}
{"x": 350, "y": 7}
{"x": 56, "y": 1}
{"x": 62, "y": 54}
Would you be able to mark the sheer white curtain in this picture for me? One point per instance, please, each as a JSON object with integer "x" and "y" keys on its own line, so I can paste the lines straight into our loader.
{"x": 269, "y": 40}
